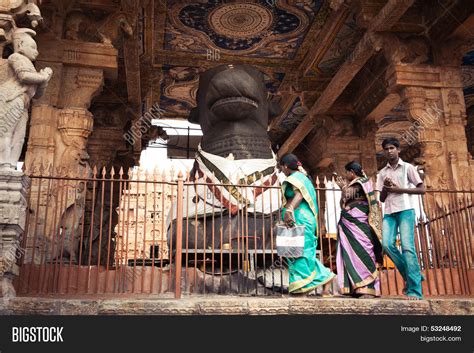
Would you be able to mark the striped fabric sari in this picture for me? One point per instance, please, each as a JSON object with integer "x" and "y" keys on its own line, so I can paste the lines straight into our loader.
{"x": 359, "y": 244}
{"x": 306, "y": 272}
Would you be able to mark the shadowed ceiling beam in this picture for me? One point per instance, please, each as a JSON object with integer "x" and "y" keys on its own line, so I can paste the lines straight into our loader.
{"x": 286, "y": 105}
{"x": 367, "y": 46}
{"x": 131, "y": 55}
{"x": 465, "y": 29}
{"x": 132, "y": 70}
{"x": 325, "y": 38}
{"x": 189, "y": 59}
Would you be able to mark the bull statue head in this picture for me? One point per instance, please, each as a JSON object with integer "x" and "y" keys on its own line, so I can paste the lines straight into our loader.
{"x": 233, "y": 111}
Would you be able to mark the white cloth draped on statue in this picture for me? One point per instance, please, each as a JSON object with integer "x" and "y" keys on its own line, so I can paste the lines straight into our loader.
{"x": 239, "y": 185}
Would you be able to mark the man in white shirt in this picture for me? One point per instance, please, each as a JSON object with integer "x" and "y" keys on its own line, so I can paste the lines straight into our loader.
{"x": 393, "y": 185}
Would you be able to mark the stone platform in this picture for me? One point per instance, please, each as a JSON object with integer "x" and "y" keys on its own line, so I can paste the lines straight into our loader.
{"x": 225, "y": 305}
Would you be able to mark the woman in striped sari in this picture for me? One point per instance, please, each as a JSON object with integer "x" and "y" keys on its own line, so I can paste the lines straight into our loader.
{"x": 300, "y": 208}
{"x": 359, "y": 235}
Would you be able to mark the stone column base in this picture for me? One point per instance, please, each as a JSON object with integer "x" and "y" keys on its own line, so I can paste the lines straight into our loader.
{"x": 13, "y": 203}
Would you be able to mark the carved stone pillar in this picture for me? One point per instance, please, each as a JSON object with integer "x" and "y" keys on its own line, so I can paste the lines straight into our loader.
{"x": 16, "y": 93}
{"x": 74, "y": 126}
{"x": 59, "y": 138}
{"x": 455, "y": 120}
{"x": 13, "y": 203}
{"x": 432, "y": 95}
{"x": 428, "y": 131}
{"x": 75, "y": 121}
{"x": 368, "y": 158}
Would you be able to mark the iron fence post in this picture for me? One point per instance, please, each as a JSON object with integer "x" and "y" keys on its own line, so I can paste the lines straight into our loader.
{"x": 179, "y": 235}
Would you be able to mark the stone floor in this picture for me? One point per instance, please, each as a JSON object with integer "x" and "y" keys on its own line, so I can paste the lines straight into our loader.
{"x": 225, "y": 305}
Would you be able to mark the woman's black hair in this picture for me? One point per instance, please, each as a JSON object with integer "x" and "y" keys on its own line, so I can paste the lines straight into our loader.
{"x": 355, "y": 167}
{"x": 391, "y": 141}
{"x": 290, "y": 160}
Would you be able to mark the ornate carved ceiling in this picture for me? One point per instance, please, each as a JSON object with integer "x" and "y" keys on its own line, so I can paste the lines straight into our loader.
{"x": 241, "y": 28}
{"x": 344, "y": 43}
{"x": 190, "y": 36}
{"x": 299, "y": 45}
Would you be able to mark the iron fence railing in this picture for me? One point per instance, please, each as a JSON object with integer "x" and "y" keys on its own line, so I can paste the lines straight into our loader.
{"x": 115, "y": 232}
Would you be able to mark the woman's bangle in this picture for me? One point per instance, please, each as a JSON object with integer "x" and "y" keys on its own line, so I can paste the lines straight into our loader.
{"x": 290, "y": 208}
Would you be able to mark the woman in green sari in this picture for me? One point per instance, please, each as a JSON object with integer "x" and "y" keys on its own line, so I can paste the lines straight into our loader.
{"x": 300, "y": 208}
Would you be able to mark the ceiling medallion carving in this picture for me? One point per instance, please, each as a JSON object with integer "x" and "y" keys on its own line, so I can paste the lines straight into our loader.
{"x": 240, "y": 21}
{"x": 244, "y": 28}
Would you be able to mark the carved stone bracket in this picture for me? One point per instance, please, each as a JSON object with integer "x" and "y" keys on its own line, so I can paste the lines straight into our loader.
{"x": 405, "y": 51}
{"x": 427, "y": 124}
{"x": 81, "y": 85}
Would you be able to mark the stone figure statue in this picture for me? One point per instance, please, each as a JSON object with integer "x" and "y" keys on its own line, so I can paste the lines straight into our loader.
{"x": 17, "y": 13}
{"x": 66, "y": 247}
{"x": 233, "y": 112}
{"x": 21, "y": 83}
{"x": 28, "y": 14}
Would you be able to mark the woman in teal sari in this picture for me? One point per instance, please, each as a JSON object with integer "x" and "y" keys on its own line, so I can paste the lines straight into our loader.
{"x": 300, "y": 208}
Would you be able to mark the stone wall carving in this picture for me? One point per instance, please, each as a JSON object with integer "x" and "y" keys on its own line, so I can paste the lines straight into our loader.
{"x": 413, "y": 50}
{"x": 75, "y": 124}
{"x": 81, "y": 27}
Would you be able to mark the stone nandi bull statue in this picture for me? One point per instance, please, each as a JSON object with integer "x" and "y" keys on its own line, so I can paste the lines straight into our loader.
{"x": 233, "y": 112}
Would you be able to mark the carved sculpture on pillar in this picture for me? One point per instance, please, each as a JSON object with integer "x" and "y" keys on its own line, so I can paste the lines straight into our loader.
{"x": 22, "y": 83}
{"x": 455, "y": 119}
{"x": 71, "y": 158}
{"x": 405, "y": 51}
{"x": 74, "y": 126}
{"x": 80, "y": 27}
{"x": 432, "y": 159}
{"x": 17, "y": 13}
{"x": 19, "y": 83}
